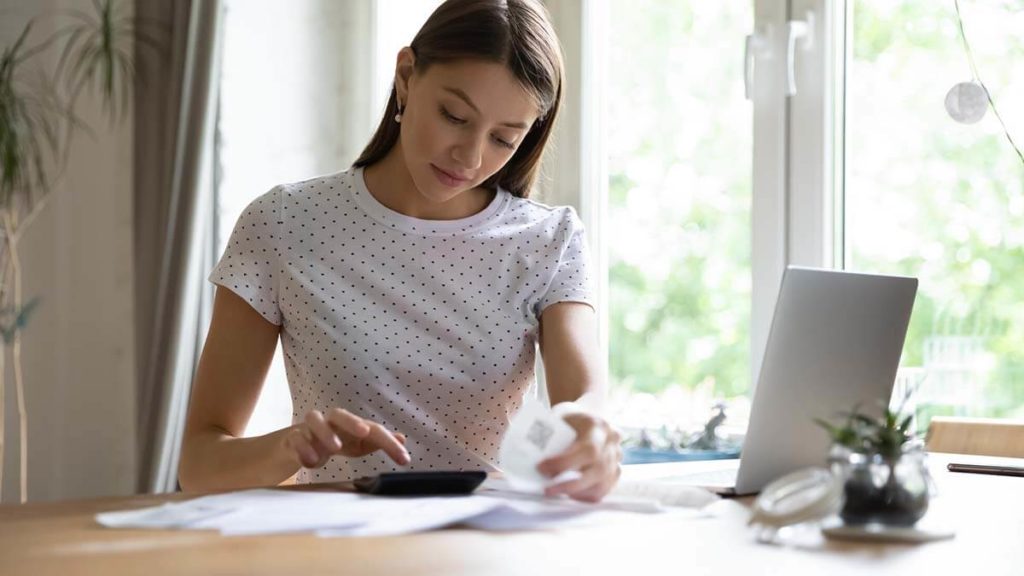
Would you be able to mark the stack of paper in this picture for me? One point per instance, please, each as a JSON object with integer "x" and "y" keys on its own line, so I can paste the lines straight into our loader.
{"x": 251, "y": 512}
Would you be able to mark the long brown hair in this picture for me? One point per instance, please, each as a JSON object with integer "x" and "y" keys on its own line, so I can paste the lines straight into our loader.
{"x": 516, "y": 33}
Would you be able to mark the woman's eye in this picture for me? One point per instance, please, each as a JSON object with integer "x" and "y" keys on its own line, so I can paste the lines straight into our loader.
{"x": 504, "y": 143}
{"x": 459, "y": 121}
{"x": 450, "y": 118}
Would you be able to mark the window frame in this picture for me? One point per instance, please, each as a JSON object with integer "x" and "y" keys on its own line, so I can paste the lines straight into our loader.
{"x": 784, "y": 219}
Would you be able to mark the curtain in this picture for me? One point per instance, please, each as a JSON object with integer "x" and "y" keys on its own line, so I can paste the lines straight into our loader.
{"x": 175, "y": 180}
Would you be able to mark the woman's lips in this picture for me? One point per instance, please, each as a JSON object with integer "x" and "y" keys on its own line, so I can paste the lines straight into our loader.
{"x": 447, "y": 178}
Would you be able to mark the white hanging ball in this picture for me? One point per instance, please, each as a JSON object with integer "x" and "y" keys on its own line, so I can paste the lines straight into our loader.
{"x": 966, "y": 102}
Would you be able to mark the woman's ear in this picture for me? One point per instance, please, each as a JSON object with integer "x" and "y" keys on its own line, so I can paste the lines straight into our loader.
{"x": 404, "y": 66}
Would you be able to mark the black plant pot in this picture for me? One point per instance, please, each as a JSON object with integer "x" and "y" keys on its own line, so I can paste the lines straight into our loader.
{"x": 878, "y": 490}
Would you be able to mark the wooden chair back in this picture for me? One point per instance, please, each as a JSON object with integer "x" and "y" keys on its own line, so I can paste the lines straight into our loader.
{"x": 979, "y": 436}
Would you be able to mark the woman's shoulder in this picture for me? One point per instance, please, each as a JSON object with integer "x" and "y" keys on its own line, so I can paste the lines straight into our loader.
{"x": 559, "y": 217}
{"x": 280, "y": 202}
{"x": 315, "y": 186}
{"x": 297, "y": 197}
{"x": 304, "y": 188}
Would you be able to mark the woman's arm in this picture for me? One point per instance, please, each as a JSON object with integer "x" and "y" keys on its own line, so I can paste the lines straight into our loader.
{"x": 569, "y": 349}
{"x": 236, "y": 357}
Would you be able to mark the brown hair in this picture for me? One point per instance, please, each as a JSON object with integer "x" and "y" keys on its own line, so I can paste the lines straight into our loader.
{"x": 516, "y": 33}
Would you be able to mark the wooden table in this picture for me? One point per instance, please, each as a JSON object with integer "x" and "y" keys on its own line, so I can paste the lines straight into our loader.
{"x": 986, "y": 511}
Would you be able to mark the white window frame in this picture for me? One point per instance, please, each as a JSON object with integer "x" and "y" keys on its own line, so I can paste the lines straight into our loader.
{"x": 769, "y": 208}
{"x": 574, "y": 172}
{"x": 793, "y": 154}
{"x": 796, "y": 181}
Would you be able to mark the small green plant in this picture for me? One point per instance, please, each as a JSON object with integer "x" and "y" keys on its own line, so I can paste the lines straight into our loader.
{"x": 884, "y": 476}
{"x": 888, "y": 435}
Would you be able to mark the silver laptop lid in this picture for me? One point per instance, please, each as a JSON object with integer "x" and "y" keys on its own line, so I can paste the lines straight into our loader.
{"x": 835, "y": 343}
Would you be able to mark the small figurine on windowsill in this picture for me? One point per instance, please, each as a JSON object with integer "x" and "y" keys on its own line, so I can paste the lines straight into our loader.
{"x": 708, "y": 439}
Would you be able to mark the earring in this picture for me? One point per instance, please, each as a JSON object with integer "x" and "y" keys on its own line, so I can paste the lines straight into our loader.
{"x": 398, "y": 117}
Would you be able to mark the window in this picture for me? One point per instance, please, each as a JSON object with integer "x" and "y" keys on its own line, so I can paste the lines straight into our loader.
{"x": 930, "y": 197}
{"x": 857, "y": 165}
{"x": 680, "y": 137}
{"x": 265, "y": 135}
{"x": 713, "y": 183}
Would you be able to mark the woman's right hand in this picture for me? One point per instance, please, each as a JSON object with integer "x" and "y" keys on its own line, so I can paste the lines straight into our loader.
{"x": 338, "y": 431}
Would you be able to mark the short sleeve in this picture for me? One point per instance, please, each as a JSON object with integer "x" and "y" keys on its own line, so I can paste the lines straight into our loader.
{"x": 250, "y": 266}
{"x": 572, "y": 280}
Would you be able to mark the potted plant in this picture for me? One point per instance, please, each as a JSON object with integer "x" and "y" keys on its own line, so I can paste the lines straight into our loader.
{"x": 882, "y": 466}
{"x": 37, "y": 123}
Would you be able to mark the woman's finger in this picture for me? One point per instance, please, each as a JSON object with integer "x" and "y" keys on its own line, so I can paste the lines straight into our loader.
{"x": 579, "y": 455}
{"x": 347, "y": 423}
{"x": 380, "y": 438}
{"x": 322, "y": 431}
{"x": 601, "y": 489}
{"x": 301, "y": 448}
{"x": 323, "y": 453}
{"x": 595, "y": 493}
{"x": 591, "y": 477}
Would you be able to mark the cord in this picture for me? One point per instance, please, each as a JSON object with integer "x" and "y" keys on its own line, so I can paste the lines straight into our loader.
{"x": 977, "y": 77}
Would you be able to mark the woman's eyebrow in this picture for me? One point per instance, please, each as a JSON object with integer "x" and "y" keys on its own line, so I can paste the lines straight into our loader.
{"x": 465, "y": 98}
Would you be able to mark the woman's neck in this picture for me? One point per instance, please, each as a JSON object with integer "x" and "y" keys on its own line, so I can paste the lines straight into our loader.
{"x": 389, "y": 182}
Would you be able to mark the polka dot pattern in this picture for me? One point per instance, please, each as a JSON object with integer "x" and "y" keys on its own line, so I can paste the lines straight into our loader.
{"x": 428, "y": 327}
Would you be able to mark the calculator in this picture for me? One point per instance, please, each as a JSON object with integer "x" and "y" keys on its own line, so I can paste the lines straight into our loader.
{"x": 429, "y": 483}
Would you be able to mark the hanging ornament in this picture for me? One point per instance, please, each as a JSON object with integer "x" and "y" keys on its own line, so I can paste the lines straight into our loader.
{"x": 967, "y": 102}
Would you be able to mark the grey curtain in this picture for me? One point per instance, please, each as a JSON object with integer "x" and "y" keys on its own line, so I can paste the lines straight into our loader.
{"x": 175, "y": 181}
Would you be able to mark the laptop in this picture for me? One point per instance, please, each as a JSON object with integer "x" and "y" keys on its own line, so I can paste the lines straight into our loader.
{"x": 835, "y": 343}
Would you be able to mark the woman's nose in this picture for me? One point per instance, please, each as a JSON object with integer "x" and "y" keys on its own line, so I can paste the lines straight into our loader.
{"x": 469, "y": 152}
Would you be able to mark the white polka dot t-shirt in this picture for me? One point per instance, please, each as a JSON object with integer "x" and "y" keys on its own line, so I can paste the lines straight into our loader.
{"x": 427, "y": 327}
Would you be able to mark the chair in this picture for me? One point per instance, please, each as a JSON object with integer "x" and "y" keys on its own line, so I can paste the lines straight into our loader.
{"x": 976, "y": 436}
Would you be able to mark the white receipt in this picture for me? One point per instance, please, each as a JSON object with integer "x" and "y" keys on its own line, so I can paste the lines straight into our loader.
{"x": 534, "y": 434}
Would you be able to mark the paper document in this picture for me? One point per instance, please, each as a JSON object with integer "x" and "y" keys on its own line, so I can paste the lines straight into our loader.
{"x": 534, "y": 434}
{"x": 663, "y": 493}
{"x": 644, "y": 496}
{"x": 252, "y": 512}
{"x": 248, "y": 512}
{"x": 495, "y": 506}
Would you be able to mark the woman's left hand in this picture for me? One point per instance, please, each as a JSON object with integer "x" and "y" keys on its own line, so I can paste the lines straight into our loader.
{"x": 595, "y": 453}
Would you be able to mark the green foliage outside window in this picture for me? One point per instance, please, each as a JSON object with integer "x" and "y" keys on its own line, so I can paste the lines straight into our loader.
{"x": 925, "y": 196}
{"x": 943, "y": 201}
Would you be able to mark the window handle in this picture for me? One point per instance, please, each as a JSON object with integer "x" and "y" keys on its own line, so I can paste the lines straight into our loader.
{"x": 757, "y": 45}
{"x": 797, "y": 30}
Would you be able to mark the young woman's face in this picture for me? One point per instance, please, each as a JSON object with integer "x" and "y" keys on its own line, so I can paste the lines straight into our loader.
{"x": 461, "y": 123}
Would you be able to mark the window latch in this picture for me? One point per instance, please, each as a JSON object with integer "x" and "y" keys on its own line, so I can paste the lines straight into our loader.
{"x": 757, "y": 45}
{"x": 802, "y": 31}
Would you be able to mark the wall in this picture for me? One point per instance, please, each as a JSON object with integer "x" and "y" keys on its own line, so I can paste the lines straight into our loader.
{"x": 320, "y": 117}
{"x": 78, "y": 353}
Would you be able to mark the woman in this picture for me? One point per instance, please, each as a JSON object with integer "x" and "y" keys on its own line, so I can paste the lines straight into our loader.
{"x": 409, "y": 291}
